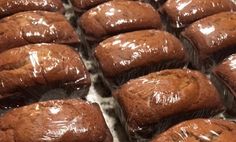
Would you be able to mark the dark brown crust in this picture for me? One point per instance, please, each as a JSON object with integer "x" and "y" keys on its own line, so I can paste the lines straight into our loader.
{"x": 212, "y": 34}
{"x": 35, "y": 27}
{"x": 125, "y": 52}
{"x": 182, "y": 13}
{"x": 41, "y": 65}
{"x": 9, "y": 7}
{"x": 119, "y": 16}
{"x": 55, "y": 121}
{"x": 147, "y": 100}
{"x": 226, "y": 72}
{"x": 199, "y": 130}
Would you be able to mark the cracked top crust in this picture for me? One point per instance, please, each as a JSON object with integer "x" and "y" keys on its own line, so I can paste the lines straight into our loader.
{"x": 149, "y": 99}
{"x": 55, "y": 121}
{"x": 35, "y": 27}
{"x": 117, "y": 17}
{"x": 9, "y": 7}
{"x": 41, "y": 64}
{"x": 200, "y": 130}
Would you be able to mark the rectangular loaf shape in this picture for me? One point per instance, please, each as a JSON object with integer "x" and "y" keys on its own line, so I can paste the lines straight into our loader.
{"x": 9, "y": 7}
{"x": 55, "y": 121}
{"x": 115, "y": 17}
{"x": 152, "y": 103}
{"x": 199, "y": 130}
{"x": 34, "y": 69}
{"x": 211, "y": 39}
{"x": 181, "y": 13}
{"x": 35, "y": 27}
{"x": 134, "y": 54}
{"x": 224, "y": 76}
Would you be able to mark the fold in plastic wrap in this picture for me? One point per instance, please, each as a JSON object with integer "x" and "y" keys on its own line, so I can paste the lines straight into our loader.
{"x": 181, "y": 13}
{"x": 152, "y": 103}
{"x": 35, "y": 27}
{"x": 224, "y": 76}
{"x": 211, "y": 39}
{"x": 200, "y": 130}
{"x": 9, "y": 7}
{"x": 55, "y": 121}
{"x": 116, "y": 17}
{"x": 33, "y": 70}
{"x": 134, "y": 54}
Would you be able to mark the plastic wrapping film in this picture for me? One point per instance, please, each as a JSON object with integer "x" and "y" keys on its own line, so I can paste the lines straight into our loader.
{"x": 152, "y": 103}
{"x": 35, "y": 27}
{"x": 200, "y": 130}
{"x": 58, "y": 120}
{"x": 9, "y": 7}
{"x": 116, "y": 17}
{"x": 130, "y": 55}
{"x": 34, "y": 70}
{"x": 81, "y": 6}
{"x": 96, "y": 95}
{"x": 224, "y": 77}
{"x": 180, "y": 13}
{"x": 211, "y": 39}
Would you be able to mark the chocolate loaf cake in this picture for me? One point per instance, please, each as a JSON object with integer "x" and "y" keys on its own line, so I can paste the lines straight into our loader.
{"x": 152, "y": 103}
{"x": 26, "y": 70}
{"x": 211, "y": 39}
{"x": 182, "y": 13}
{"x": 116, "y": 17}
{"x": 200, "y": 130}
{"x": 35, "y": 27}
{"x": 133, "y": 54}
{"x": 55, "y": 121}
{"x": 224, "y": 76}
{"x": 9, "y": 7}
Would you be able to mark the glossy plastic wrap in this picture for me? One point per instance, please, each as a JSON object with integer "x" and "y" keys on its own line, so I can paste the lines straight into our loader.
{"x": 35, "y": 27}
{"x": 152, "y": 103}
{"x": 200, "y": 130}
{"x": 224, "y": 77}
{"x": 55, "y": 121}
{"x": 211, "y": 39}
{"x": 81, "y": 6}
{"x": 33, "y": 70}
{"x": 181, "y": 13}
{"x": 134, "y": 54}
{"x": 9, "y": 7}
{"x": 116, "y": 17}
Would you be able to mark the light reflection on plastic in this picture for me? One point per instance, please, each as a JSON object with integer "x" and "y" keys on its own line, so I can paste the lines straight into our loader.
{"x": 54, "y": 110}
{"x": 206, "y": 30}
{"x": 111, "y": 12}
{"x": 232, "y": 63}
{"x": 63, "y": 127}
{"x": 182, "y": 5}
{"x": 162, "y": 99}
{"x": 33, "y": 55}
{"x": 40, "y": 21}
